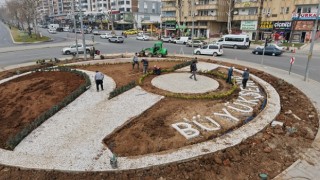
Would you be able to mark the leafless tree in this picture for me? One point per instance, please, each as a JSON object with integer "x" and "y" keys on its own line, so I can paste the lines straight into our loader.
{"x": 13, "y": 8}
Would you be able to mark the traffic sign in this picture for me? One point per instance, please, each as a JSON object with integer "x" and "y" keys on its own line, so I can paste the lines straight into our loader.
{"x": 292, "y": 60}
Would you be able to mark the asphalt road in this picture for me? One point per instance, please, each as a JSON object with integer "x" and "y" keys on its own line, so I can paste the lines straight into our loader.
{"x": 5, "y": 38}
{"x": 132, "y": 45}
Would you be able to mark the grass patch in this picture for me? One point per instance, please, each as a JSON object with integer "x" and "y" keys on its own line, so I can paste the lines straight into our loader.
{"x": 21, "y": 36}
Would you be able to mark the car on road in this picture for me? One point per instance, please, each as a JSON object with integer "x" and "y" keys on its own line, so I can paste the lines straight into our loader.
{"x": 168, "y": 39}
{"x": 282, "y": 48}
{"x": 269, "y": 50}
{"x": 210, "y": 49}
{"x": 59, "y": 29}
{"x": 182, "y": 40}
{"x": 106, "y": 35}
{"x": 52, "y": 31}
{"x": 66, "y": 29}
{"x": 131, "y": 31}
{"x": 73, "y": 49}
{"x": 196, "y": 43}
{"x": 143, "y": 37}
{"x": 116, "y": 39}
{"x": 95, "y": 32}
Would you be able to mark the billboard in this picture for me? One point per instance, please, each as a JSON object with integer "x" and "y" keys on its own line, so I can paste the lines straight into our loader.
{"x": 304, "y": 16}
{"x": 282, "y": 25}
{"x": 248, "y": 25}
{"x": 304, "y": 25}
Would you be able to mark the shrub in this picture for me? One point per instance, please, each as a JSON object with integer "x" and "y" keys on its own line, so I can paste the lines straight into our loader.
{"x": 122, "y": 89}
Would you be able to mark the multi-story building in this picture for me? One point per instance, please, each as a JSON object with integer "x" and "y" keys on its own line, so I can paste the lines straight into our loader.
{"x": 266, "y": 18}
{"x": 43, "y": 8}
{"x": 303, "y": 20}
{"x": 210, "y": 17}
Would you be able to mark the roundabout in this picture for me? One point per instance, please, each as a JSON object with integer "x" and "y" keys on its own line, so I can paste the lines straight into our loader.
{"x": 90, "y": 130}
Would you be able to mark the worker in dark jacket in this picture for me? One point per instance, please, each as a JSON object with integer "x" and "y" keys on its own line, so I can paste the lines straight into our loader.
{"x": 145, "y": 64}
{"x": 245, "y": 77}
{"x": 193, "y": 69}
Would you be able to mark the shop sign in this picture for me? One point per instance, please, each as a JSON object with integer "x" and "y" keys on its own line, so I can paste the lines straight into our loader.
{"x": 248, "y": 25}
{"x": 304, "y": 16}
{"x": 266, "y": 25}
{"x": 304, "y": 25}
{"x": 282, "y": 25}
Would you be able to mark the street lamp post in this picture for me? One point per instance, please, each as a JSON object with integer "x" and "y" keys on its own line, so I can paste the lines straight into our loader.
{"x": 83, "y": 35}
{"x": 192, "y": 29}
{"x": 312, "y": 43}
{"x": 74, "y": 26}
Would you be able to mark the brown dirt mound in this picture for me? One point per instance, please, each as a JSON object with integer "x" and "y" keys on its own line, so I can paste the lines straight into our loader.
{"x": 25, "y": 98}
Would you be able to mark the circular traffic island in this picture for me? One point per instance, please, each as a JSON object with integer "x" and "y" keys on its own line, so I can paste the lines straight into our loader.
{"x": 162, "y": 129}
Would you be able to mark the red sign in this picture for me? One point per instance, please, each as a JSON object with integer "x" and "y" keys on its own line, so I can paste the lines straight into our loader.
{"x": 292, "y": 60}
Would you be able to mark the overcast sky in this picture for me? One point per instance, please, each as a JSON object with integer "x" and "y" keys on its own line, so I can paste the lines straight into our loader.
{"x": 2, "y": 2}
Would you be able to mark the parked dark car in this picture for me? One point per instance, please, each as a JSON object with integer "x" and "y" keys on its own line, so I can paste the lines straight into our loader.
{"x": 116, "y": 39}
{"x": 59, "y": 29}
{"x": 269, "y": 50}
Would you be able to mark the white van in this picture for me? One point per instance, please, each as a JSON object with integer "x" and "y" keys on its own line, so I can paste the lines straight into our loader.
{"x": 235, "y": 41}
{"x": 182, "y": 40}
{"x": 210, "y": 49}
{"x": 53, "y": 26}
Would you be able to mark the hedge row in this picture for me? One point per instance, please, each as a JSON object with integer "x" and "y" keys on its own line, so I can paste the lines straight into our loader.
{"x": 122, "y": 89}
{"x": 13, "y": 141}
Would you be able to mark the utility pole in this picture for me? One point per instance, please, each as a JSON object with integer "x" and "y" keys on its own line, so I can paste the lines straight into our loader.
{"x": 75, "y": 26}
{"x": 312, "y": 43}
{"x": 192, "y": 30}
{"x": 259, "y": 19}
{"x": 83, "y": 36}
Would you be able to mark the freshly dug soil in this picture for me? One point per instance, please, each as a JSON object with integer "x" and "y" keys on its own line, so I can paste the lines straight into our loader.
{"x": 270, "y": 151}
{"x": 23, "y": 99}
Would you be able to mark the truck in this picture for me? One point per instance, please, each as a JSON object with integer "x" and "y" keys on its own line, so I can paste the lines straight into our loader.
{"x": 73, "y": 49}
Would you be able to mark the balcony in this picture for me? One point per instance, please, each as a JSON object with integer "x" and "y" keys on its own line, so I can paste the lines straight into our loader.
{"x": 168, "y": 0}
{"x": 168, "y": 18}
{"x": 206, "y": 6}
{"x": 246, "y": 4}
{"x": 168, "y": 8}
{"x": 205, "y": 18}
{"x": 245, "y": 17}
{"x": 305, "y": 2}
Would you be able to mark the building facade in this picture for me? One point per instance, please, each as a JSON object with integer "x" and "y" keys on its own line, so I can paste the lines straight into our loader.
{"x": 209, "y": 17}
{"x": 279, "y": 19}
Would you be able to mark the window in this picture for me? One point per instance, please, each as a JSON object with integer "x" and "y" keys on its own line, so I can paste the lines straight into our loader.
{"x": 281, "y": 10}
{"x": 287, "y": 10}
{"x": 128, "y": 9}
{"x": 127, "y": 2}
{"x": 121, "y": 9}
{"x": 234, "y": 39}
{"x": 306, "y": 10}
{"x": 213, "y": 47}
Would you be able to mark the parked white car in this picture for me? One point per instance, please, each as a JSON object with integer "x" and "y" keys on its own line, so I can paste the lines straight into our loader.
{"x": 52, "y": 31}
{"x": 210, "y": 49}
{"x": 106, "y": 36}
{"x": 143, "y": 37}
{"x": 281, "y": 48}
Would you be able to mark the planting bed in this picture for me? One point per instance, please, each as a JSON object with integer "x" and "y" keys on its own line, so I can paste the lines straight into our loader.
{"x": 270, "y": 151}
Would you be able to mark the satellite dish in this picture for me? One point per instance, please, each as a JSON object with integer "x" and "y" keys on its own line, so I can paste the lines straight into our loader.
{"x": 235, "y": 12}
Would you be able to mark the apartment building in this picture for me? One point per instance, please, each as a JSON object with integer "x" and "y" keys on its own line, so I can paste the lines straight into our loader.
{"x": 266, "y": 18}
{"x": 209, "y": 16}
{"x": 43, "y": 8}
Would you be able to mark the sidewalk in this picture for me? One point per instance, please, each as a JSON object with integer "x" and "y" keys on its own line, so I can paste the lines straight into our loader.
{"x": 40, "y": 46}
{"x": 305, "y": 48}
